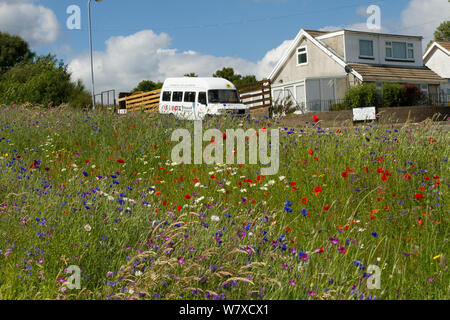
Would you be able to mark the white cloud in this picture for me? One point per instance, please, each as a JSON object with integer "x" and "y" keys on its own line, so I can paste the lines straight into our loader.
{"x": 127, "y": 60}
{"x": 423, "y": 17}
{"x": 34, "y": 23}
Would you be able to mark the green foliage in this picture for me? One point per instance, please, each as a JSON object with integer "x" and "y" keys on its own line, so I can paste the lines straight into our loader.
{"x": 338, "y": 106}
{"x": 393, "y": 95}
{"x": 442, "y": 32}
{"x": 236, "y": 79}
{"x": 147, "y": 85}
{"x": 362, "y": 96}
{"x": 191, "y": 75}
{"x": 283, "y": 107}
{"x": 44, "y": 81}
{"x": 13, "y": 50}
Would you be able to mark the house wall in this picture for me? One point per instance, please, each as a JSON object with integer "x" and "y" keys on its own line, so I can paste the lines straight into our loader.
{"x": 379, "y": 49}
{"x": 336, "y": 43}
{"x": 319, "y": 65}
{"x": 439, "y": 62}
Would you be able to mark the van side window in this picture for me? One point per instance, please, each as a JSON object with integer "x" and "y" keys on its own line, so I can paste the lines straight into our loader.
{"x": 177, "y": 96}
{"x": 189, "y": 97}
{"x": 202, "y": 97}
{"x": 166, "y": 95}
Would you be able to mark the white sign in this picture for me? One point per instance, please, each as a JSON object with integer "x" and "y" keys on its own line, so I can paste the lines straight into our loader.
{"x": 364, "y": 114}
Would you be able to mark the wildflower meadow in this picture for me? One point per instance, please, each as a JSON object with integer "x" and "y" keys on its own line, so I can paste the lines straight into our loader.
{"x": 354, "y": 212}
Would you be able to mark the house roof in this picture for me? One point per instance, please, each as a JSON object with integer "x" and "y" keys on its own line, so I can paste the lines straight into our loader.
{"x": 316, "y": 33}
{"x": 396, "y": 74}
{"x": 443, "y": 45}
{"x": 309, "y": 35}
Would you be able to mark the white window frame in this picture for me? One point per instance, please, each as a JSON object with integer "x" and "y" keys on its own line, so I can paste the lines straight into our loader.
{"x": 297, "y": 54}
{"x": 409, "y": 46}
{"x": 361, "y": 56}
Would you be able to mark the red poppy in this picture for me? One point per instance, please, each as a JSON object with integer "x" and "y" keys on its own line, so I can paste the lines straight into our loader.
{"x": 326, "y": 208}
{"x": 179, "y": 208}
{"x": 187, "y": 196}
{"x": 288, "y": 229}
{"x": 344, "y": 174}
{"x": 305, "y": 200}
{"x": 311, "y": 152}
{"x": 224, "y": 136}
{"x": 315, "y": 118}
{"x": 317, "y": 190}
{"x": 418, "y": 196}
{"x": 120, "y": 161}
{"x": 384, "y": 178}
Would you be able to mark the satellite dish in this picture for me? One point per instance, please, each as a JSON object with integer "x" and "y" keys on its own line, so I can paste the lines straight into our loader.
{"x": 348, "y": 69}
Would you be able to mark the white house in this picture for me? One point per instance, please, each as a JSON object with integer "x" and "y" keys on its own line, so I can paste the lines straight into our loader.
{"x": 437, "y": 58}
{"x": 319, "y": 67}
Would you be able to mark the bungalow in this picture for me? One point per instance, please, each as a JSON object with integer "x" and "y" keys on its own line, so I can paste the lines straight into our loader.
{"x": 437, "y": 58}
{"x": 319, "y": 67}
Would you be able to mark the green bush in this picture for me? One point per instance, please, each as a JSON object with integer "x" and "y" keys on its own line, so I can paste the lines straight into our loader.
{"x": 393, "y": 95}
{"x": 338, "y": 106}
{"x": 45, "y": 81}
{"x": 362, "y": 96}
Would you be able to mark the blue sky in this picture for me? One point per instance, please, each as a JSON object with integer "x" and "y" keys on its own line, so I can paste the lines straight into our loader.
{"x": 145, "y": 39}
{"x": 236, "y": 28}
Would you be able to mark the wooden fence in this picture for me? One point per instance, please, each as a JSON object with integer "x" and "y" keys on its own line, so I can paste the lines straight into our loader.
{"x": 145, "y": 101}
{"x": 256, "y": 95}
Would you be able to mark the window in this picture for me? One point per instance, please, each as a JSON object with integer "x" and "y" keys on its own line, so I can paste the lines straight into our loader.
{"x": 410, "y": 51}
{"x": 189, "y": 97}
{"x": 399, "y": 50}
{"x": 223, "y": 96}
{"x": 166, "y": 95}
{"x": 366, "y": 48}
{"x": 302, "y": 56}
{"x": 202, "y": 97}
{"x": 177, "y": 96}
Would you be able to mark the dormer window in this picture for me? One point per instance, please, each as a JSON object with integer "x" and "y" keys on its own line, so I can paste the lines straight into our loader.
{"x": 302, "y": 56}
{"x": 365, "y": 49}
{"x": 399, "y": 51}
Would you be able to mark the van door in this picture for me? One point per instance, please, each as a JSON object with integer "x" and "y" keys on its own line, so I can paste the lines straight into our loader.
{"x": 202, "y": 105}
{"x": 189, "y": 110}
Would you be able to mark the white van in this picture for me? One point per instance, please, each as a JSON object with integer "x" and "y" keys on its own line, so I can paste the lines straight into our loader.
{"x": 193, "y": 98}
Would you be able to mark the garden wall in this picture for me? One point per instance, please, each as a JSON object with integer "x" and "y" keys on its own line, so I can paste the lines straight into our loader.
{"x": 385, "y": 115}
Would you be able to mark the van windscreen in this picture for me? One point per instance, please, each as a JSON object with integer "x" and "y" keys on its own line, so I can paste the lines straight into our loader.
{"x": 223, "y": 96}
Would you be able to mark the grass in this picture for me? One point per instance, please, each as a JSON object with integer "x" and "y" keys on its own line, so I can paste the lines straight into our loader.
{"x": 100, "y": 192}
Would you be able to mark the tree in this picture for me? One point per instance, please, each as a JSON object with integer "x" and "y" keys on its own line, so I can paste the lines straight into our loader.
{"x": 191, "y": 75}
{"x": 236, "y": 79}
{"x": 13, "y": 50}
{"x": 147, "y": 85}
{"x": 43, "y": 81}
{"x": 442, "y": 33}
